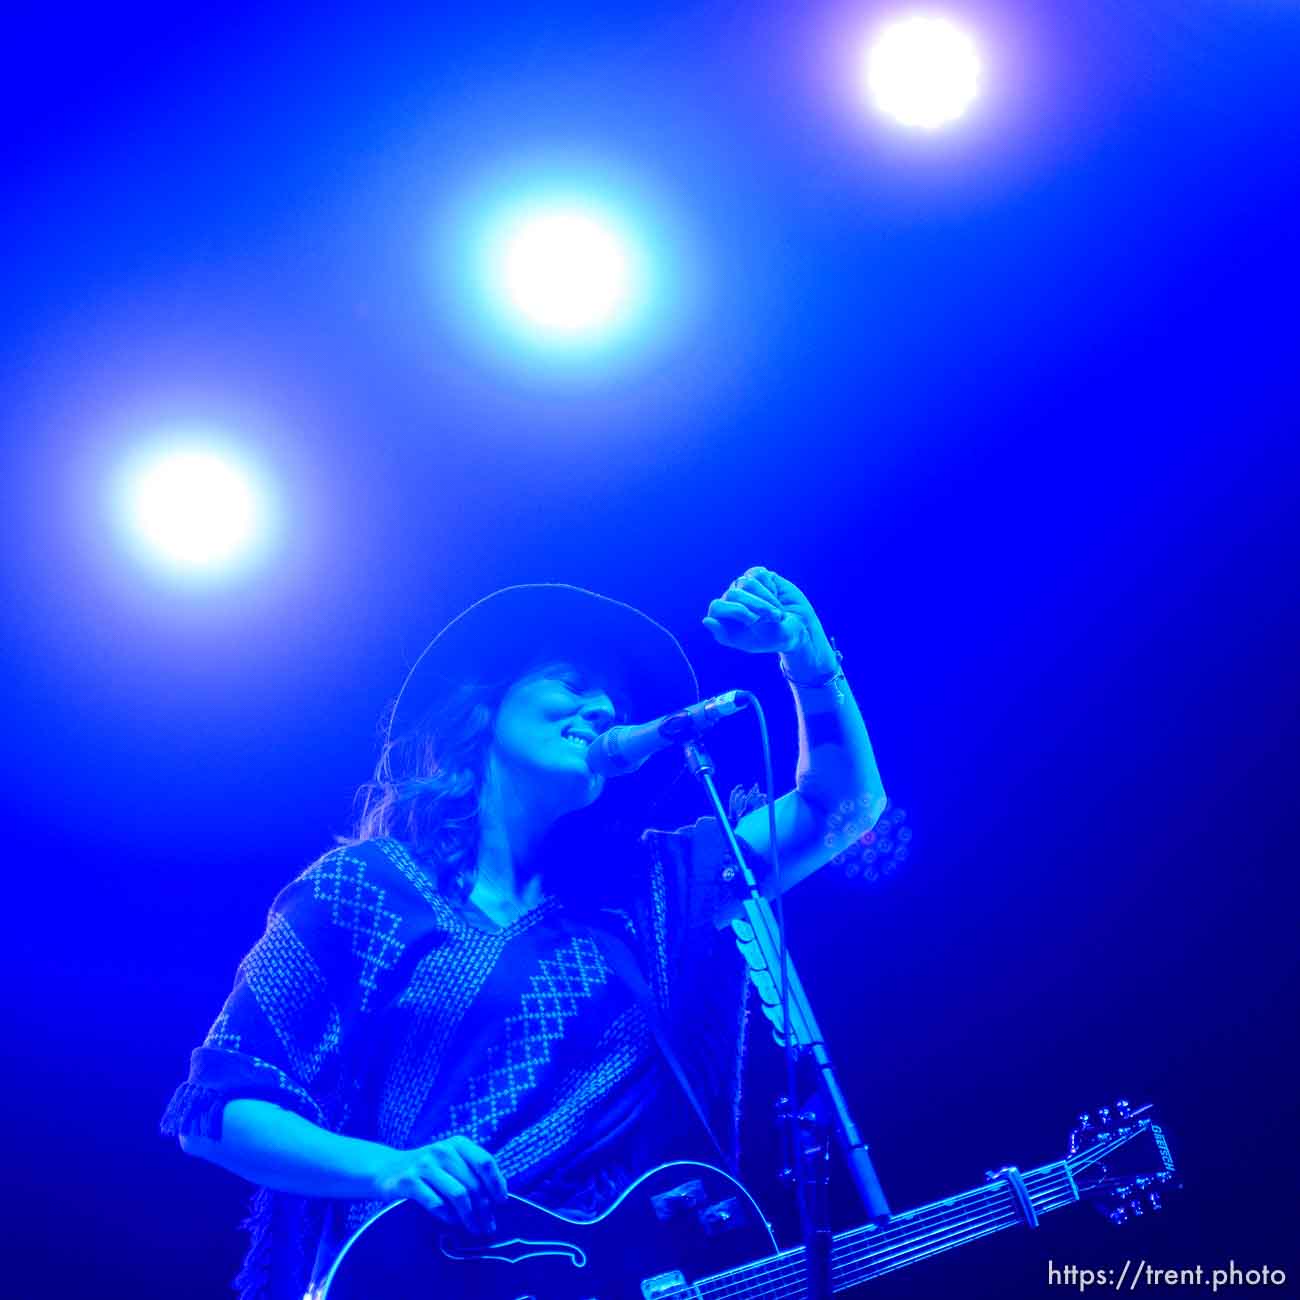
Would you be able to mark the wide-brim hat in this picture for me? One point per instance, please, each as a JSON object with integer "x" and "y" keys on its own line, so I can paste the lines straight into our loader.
{"x": 505, "y": 633}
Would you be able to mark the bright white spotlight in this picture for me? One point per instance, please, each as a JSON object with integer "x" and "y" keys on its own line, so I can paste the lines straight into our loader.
{"x": 194, "y": 508}
{"x": 923, "y": 71}
{"x": 566, "y": 271}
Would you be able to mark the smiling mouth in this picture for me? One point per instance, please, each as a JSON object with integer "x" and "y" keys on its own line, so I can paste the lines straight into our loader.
{"x": 578, "y": 739}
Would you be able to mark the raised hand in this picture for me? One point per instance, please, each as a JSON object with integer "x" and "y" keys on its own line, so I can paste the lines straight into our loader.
{"x": 763, "y": 612}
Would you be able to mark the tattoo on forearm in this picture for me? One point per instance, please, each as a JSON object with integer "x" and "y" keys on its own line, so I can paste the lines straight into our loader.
{"x": 823, "y": 729}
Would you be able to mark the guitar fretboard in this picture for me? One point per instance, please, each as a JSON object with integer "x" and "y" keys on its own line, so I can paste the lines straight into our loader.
{"x": 867, "y": 1252}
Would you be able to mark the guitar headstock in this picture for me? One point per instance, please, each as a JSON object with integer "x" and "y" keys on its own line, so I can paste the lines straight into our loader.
{"x": 1120, "y": 1160}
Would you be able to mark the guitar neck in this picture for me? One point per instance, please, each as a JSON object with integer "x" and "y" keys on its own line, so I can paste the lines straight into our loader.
{"x": 867, "y": 1252}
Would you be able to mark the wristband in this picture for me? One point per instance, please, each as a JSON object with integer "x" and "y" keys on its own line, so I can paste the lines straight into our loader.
{"x": 834, "y": 678}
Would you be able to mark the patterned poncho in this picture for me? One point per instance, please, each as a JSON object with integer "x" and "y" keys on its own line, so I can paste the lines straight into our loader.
{"x": 345, "y": 1009}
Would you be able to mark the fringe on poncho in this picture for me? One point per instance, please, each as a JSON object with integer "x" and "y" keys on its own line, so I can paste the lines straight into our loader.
{"x": 343, "y": 1009}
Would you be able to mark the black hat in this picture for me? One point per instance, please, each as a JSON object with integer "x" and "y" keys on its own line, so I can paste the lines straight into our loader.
{"x": 505, "y": 632}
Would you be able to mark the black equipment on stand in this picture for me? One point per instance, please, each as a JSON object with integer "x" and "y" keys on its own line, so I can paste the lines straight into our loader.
{"x": 807, "y": 1124}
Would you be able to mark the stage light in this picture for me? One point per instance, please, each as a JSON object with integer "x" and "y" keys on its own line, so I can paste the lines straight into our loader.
{"x": 923, "y": 71}
{"x": 565, "y": 271}
{"x": 193, "y": 508}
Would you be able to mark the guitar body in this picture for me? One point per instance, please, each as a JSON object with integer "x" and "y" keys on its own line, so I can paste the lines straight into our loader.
{"x": 676, "y": 1223}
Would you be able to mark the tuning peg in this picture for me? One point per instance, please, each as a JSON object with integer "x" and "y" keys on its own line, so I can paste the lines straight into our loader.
{"x": 1085, "y": 1120}
{"x": 1153, "y": 1199}
{"x": 1136, "y": 1205}
{"x": 1123, "y": 1108}
{"x": 1118, "y": 1215}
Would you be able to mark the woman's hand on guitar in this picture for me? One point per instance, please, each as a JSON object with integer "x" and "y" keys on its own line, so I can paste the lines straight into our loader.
{"x": 454, "y": 1179}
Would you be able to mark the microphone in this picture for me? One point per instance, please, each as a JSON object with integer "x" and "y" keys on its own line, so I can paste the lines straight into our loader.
{"x": 621, "y": 750}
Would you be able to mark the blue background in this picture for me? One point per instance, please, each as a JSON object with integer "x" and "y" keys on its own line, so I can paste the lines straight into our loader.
{"x": 1016, "y": 406}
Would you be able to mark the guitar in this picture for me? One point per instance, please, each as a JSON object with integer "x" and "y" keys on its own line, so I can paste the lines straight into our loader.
{"x": 691, "y": 1231}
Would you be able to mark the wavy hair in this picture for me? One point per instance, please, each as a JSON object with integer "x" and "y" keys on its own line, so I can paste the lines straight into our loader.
{"x": 426, "y": 786}
{"x": 426, "y": 791}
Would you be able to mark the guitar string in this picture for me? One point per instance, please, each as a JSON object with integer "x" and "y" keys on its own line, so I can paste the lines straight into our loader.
{"x": 792, "y": 1282}
{"x": 941, "y": 1224}
{"x": 868, "y": 1263}
{"x": 876, "y": 1267}
{"x": 789, "y": 1280}
{"x": 1051, "y": 1180}
{"x": 938, "y": 1216}
{"x": 862, "y": 1270}
{"x": 791, "y": 1265}
{"x": 879, "y": 1245}
{"x": 946, "y": 1211}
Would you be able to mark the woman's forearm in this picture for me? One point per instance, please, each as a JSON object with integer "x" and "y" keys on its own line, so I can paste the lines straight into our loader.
{"x": 836, "y": 761}
{"x": 836, "y": 773}
{"x": 276, "y": 1148}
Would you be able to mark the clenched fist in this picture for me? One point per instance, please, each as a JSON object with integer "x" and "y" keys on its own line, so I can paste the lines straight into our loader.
{"x": 762, "y": 612}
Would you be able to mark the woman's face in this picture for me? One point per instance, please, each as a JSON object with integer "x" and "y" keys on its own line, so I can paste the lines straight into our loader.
{"x": 543, "y": 726}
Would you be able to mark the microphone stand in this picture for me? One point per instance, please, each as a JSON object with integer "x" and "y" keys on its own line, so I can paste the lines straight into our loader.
{"x": 801, "y": 1029}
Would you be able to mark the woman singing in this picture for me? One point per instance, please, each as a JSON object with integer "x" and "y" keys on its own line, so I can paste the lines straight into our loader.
{"x": 482, "y": 988}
